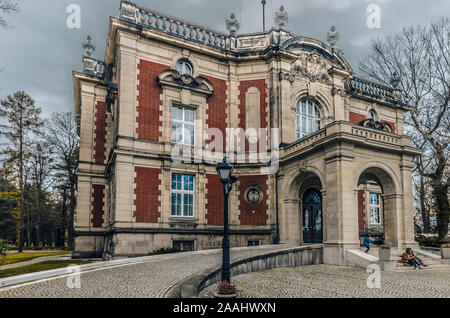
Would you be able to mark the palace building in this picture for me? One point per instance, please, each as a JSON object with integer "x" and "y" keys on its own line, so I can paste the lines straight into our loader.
{"x": 337, "y": 163}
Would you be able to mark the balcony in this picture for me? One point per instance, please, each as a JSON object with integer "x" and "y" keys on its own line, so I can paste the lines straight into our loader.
{"x": 346, "y": 131}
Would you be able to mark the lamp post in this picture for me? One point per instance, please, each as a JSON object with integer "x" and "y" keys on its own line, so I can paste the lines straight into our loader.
{"x": 225, "y": 171}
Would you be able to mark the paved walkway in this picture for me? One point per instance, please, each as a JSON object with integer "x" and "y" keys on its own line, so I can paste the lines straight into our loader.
{"x": 152, "y": 278}
{"x": 36, "y": 260}
{"x": 328, "y": 281}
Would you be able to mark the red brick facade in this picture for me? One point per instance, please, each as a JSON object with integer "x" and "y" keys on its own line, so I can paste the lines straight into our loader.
{"x": 97, "y": 205}
{"x": 147, "y": 193}
{"x": 217, "y": 107}
{"x": 355, "y": 118}
{"x": 149, "y": 101}
{"x": 100, "y": 133}
{"x": 215, "y": 200}
{"x": 361, "y": 212}
{"x": 253, "y": 214}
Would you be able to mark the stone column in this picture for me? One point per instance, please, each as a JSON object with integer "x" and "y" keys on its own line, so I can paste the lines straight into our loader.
{"x": 290, "y": 231}
{"x": 342, "y": 212}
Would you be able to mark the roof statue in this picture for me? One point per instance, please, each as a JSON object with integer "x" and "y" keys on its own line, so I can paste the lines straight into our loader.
{"x": 233, "y": 24}
{"x": 281, "y": 18}
{"x": 333, "y": 36}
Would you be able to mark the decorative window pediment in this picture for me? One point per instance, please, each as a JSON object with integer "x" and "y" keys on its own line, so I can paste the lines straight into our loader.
{"x": 370, "y": 123}
{"x": 173, "y": 78}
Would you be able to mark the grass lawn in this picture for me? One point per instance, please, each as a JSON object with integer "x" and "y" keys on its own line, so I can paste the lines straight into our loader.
{"x": 44, "y": 266}
{"x": 22, "y": 257}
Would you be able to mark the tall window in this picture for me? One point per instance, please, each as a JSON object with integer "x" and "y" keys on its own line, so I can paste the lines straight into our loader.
{"x": 182, "y": 196}
{"x": 307, "y": 118}
{"x": 183, "y": 131}
{"x": 374, "y": 204}
{"x": 184, "y": 67}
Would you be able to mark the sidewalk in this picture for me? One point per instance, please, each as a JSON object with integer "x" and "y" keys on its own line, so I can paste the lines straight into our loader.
{"x": 37, "y": 260}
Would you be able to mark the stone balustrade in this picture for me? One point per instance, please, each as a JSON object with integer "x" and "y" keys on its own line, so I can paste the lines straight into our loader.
{"x": 374, "y": 90}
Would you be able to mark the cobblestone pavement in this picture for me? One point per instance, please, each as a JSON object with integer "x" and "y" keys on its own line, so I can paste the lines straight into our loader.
{"x": 328, "y": 281}
{"x": 148, "y": 279}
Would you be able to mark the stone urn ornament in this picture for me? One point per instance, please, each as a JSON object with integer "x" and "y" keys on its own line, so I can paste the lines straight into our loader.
{"x": 445, "y": 251}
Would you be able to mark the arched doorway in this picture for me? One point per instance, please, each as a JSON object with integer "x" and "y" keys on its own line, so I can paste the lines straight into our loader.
{"x": 312, "y": 217}
{"x": 377, "y": 205}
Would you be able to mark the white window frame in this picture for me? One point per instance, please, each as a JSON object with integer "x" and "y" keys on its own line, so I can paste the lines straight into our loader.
{"x": 307, "y": 122}
{"x": 183, "y": 192}
{"x": 183, "y": 124}
{"x": 375, "y": 209}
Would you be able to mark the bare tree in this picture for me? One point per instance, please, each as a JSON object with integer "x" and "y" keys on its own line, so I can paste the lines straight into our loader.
{"x": 61, "y": 134}
{"x": 7, "y": 6}
{"x": 421, "y": 56}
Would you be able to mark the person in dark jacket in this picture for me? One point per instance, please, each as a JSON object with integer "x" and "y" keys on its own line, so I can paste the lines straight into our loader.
{"x": 366, "y": 243}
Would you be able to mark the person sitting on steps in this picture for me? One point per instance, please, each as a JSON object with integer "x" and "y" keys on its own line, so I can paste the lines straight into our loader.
{"x": 408, "y": 258}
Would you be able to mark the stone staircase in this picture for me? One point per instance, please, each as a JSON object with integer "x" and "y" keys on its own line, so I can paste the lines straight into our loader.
{"x": 432, "y": 260}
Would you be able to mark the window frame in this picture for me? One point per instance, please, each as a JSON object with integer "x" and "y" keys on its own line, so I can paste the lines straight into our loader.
{"x": 374, "y": 207}
{"x": 375, "y": 115}
{"x": 183, "y": 123}
{"x": 182, "y": 192}
{"x": 183, "y": 63}
{"x": 304, "y": 120}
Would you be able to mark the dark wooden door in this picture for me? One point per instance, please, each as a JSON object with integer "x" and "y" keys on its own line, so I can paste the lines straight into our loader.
{"x": 312, "y": 216}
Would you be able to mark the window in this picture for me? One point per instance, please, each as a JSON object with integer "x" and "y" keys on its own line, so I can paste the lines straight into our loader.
{"x": 374, "y": 204}
{"x": 184, "y": 246}
{"x": 253, "y": 243}
{"x": 183, "y": 131}
{"x": 307, "y": 118}
{"x": 182, "y": 196}
{"x": 372, "y": 115}
{"x": 184, "y": 67}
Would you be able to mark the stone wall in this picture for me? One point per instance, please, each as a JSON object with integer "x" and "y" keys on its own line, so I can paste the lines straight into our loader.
{"x": 291, "y": 257}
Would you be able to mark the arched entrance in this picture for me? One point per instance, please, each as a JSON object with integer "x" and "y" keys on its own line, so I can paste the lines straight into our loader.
{"x": 312, "y": 217}
{"x": 377, "y": 205}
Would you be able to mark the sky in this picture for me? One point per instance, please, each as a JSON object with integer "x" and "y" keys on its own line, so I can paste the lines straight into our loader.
{"x": 39, "y": 52}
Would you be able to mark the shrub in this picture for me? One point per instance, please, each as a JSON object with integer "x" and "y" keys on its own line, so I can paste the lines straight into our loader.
{"x": 429, "y": 241}
{"x": 165, "y": 250}
{"x": 225, "y": 288}
{"x": 3, "y": 250}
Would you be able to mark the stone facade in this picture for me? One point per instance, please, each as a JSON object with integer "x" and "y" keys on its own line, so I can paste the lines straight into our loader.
{"x": 127, "y": 171}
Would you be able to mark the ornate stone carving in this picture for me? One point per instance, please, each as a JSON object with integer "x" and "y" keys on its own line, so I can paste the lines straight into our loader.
{"x": 175, "y": 79}
{"x": 281, "y": 18}
{"x": 233, "y": 25}
{"x": 333, "y": 37}
{"x": 253, "y": 194}
{"x": 312, "y": 66}
{"x": 286, "y": 76}
{"x": 370, "y": 123}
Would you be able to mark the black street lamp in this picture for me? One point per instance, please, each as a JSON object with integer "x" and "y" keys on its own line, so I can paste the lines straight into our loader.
{"x": 225, "y": 171}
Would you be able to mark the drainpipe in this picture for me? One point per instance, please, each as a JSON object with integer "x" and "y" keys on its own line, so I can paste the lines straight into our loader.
{"x": 276, "y": 239}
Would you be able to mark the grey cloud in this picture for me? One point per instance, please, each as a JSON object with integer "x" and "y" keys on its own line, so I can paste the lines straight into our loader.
{"x": 40, "y": 52}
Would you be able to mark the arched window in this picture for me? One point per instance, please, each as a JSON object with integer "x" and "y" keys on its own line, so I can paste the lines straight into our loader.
{"x": 373, "y": 115}
{"x": 308, "y": 119}
{"x": 184, "y": 67}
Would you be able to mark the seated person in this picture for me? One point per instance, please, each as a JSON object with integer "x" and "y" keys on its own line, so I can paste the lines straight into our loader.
{"x": 408, "y": 258}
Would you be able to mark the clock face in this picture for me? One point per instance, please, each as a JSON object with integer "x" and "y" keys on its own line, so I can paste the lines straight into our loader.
{"x": 253, "y": 196}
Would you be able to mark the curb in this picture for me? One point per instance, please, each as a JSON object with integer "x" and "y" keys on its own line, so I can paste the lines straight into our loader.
{"x": 60, "y": 272}
{"x": 288, "y": 257}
